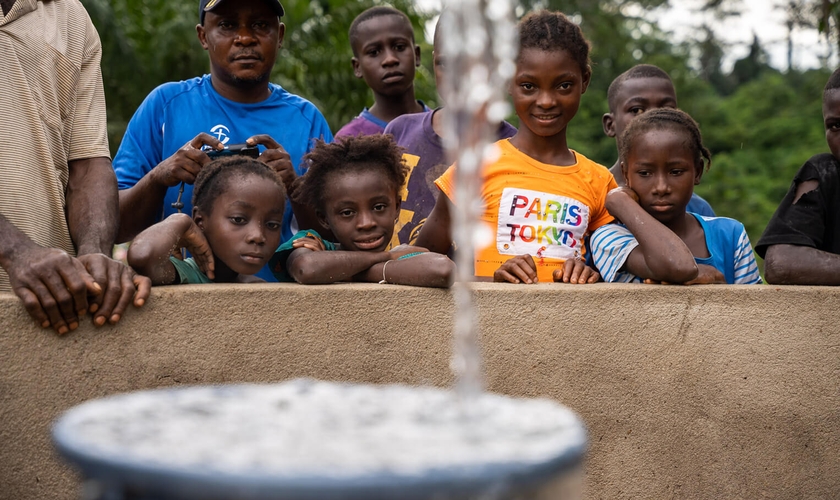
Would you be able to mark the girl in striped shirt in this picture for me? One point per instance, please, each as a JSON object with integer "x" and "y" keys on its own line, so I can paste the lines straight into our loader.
{"x": 654, "y": 239}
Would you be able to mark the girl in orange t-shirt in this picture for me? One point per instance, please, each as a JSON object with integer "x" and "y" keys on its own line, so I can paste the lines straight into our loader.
{"x": 542, "y": 198}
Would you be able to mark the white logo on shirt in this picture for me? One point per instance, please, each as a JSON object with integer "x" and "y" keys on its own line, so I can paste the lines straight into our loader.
{"x": 221, "y": 132}
{"x": 540, "y": 224}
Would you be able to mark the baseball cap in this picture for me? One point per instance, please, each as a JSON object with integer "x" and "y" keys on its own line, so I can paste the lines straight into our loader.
{"x": 208, "y": 5}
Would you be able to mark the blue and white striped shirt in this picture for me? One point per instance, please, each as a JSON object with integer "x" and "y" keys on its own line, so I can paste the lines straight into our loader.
{"x": 729, "y": 248}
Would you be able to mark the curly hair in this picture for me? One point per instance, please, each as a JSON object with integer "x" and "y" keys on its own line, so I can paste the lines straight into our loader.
{"x": 371, "y": 13}
{"x": 637, "y": 71}
{"x": 666, "y": 119}
{"x": 348, "y": 154}
{"x": 552, "y": 31}
{"x": 215, "y": 177}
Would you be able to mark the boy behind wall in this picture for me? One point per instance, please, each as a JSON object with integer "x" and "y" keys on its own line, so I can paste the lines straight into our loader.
{"x": 385, "y": 56}
{"x": 801, "y": 244}
{"x": 420, "y": 134}
{"x": 639, "y": 89}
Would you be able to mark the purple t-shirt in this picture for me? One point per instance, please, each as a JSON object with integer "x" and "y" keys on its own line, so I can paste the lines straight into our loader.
{"x": 367, "y": 124}
{"x": 426, "y": 162}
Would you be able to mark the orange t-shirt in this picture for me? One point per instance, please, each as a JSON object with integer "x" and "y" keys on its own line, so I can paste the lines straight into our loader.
{"x": 538, "y": 209}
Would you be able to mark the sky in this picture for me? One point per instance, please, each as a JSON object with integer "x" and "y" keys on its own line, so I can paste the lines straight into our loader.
{"x": 683, "y": 19}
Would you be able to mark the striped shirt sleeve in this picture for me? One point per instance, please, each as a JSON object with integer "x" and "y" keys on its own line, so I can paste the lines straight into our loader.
{"x": 746, "y": 269}
{"x": 611, "y": 245}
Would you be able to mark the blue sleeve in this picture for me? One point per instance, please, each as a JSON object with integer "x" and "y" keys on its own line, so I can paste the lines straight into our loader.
{"x": 699, "y": 206}
{"x": 746, "y": 269}
{"x": 320, "y": 129}
{"x": 611, "y": 245}
{"x": 141, "y": 147}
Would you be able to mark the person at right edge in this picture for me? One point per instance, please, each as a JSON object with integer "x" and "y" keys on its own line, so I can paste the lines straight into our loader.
{"x": 801, "y": 244}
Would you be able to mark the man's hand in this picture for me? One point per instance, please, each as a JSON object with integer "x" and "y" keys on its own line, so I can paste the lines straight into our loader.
{"x": 53, "y": 286}
{"x": 575, "y": 271}
{"x": 120, "y": 285}
{"x": 277, "y": 158}
{"x": 519, "y": 269}
{"x": 185, "y": 163}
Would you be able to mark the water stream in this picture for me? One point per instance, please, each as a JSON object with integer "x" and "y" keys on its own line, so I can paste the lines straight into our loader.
{"x": 479, "y": 43}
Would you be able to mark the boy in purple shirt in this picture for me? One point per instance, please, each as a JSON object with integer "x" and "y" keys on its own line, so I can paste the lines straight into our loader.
{"x": 419, "y": 134}
{"x": 385, "y": 55}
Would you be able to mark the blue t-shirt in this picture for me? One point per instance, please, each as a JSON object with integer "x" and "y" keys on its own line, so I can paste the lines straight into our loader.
{"x": 729, "y": 248}
{"x": 699, "y": 206}
{"x": 174, "y": 113}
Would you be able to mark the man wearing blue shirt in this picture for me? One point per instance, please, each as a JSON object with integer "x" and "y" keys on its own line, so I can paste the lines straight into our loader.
{"x": 166, "y": 140}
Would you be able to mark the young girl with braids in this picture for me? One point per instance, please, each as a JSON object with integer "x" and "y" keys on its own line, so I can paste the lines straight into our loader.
{"x": 541, "y": 198}
{"x": 354, "y": 184}
{"x": 238, "y": 205}
{"x": 662, "y": 157}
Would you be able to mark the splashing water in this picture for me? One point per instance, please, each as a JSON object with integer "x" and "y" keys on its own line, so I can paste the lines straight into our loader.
{"x": 479, "y": 41}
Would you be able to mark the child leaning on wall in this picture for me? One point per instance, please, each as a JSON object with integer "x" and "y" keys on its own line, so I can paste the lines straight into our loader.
{"x": 355, "y": 184}
{"x": 386, "y": 57}
{"x": 238, "y": 204}
{"x": 801, "y": 244}
{"x": 655, "y": 240}
{"x": 420, "y": 135}
{"x": 642, "y": 88}
{"x": 542, "y": 199}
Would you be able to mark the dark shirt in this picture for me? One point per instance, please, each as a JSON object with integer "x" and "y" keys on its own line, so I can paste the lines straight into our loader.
{"x": 7, "y": 5}
{"x": 814, "y": 220}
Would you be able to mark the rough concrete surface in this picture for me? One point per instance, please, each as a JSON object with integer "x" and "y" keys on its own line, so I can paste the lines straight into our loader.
{"x": 687, "y": 392}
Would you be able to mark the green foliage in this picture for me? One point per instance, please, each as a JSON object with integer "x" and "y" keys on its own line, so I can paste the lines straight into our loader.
{"x": 315, "y": 59}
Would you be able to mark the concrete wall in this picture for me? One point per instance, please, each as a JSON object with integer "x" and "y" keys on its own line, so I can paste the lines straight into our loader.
{"x": 701, "y": 392}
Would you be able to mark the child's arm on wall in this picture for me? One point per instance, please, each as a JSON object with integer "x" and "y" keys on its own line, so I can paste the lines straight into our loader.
{"x": 149, "y": 252}
{"x": 436, "y": 234}
{"x": 311, "y": 266}
{"x": 427, "y": 269}
{"x": 661, "y": 254}
{"x": 801, "y": 265}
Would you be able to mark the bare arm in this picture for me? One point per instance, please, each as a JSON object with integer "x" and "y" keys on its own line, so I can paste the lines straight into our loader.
{"x": 427, "y": 269}
{"x": 150, "y": 251}
{"x": 661, "y": 254}
{"x": 313, "y": 268}
{"x": 92, "y": 216}
{"x": 141, "y": 203}
{"x": 436, "y": 234}
{"x": 801, "y": 265}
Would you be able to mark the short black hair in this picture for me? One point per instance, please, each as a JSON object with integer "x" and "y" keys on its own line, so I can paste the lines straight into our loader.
{"x": 833, "y": 81}
{"x": 348, "y": 154}
{"x": 637, "y": 71}
{"x": 666, "y": 119}
{"x": 552, "y": 31}
{"x": 214, "y": 178}
{"x": 371, "y": 13}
